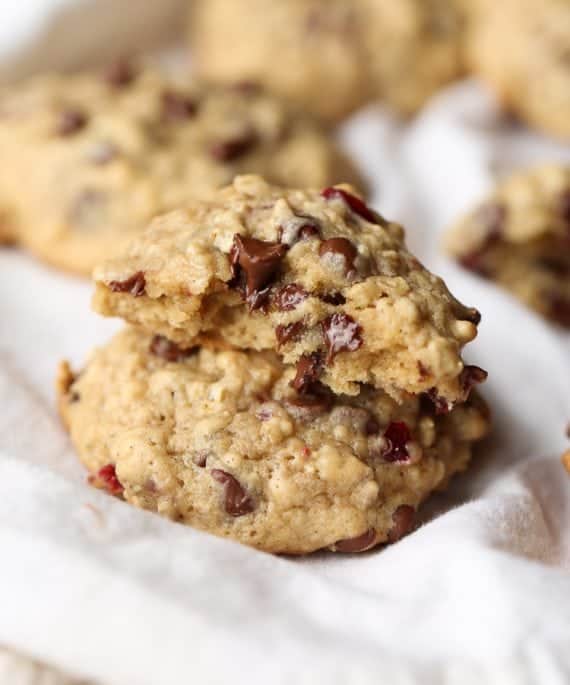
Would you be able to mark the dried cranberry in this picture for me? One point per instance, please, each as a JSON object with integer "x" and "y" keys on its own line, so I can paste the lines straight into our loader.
{"x": 106, "y": 478}
{"x": 397, "y": 435}
{"x": 355, "y": 204}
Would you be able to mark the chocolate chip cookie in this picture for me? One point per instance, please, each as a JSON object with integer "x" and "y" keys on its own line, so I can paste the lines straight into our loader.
{"x": 90, "y": 158}
{"x": 520, "y": 238}
{"x": 521, "y": 48}
{"x": 222, "y": 440}
{"x": 317, "y": 275}
{"x": 332, "y": 56}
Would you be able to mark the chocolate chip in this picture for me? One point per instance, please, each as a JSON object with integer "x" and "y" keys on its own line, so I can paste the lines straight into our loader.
{"x": 333, "y": 298}
{"x": 309, "y": 368}
{"x": 371, "y": 427}
{"x": 342, "y": 247}
{"x": 200, "y": 459}
{"x": 340, "y": 333}
{"x": 255, "y": 263}
{"x": 355, "y": 204}
{"x": 134, "y": 285}
{"x": 297, "y": 228}
{"x": 309, "y": 405}
{"x": 120, "y": 74}
{"x": 289, "y": 296}
{"x": 177, "y": 106}
{"x": 233, "y": 148}
{"x": 403, "y": 522}
{"x": 237, "y": 501}
{"x": 70, "y": 122}
{"x": 169, "y": 351}
{"x": 471, "y": 376}
{"x": 397, "y": 435}
{"x": 357, "y": 544}
{"x": 289, "y": 332}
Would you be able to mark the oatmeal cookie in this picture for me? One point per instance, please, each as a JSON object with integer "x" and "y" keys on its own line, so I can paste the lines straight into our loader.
{"x": 332, "y": 56}
{"x": 220, "y": 439}
{"x": 316, "y": 274}
{"x": 89, "y": 159}
{"x": 520, "y": 238}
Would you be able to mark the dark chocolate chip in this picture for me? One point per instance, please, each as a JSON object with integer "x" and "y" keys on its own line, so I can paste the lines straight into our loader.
{"x": 333, "y": 298}
{"x": 559, "y": 310}
{"x": 403, "y": 522}
{"x": 120, "y": 74}
{"x": 357, "y": 544}
{"x": 177, "y": 106}
{"x": 355, "y": 204}
{"x": 342, "y": 247}
{"x": 255, "y": 263}
{"x": 289, "y": 332}
{"x": 397, "y": 435}
{"x": 340, "y": 333}
{"x": 134, "y": 285}
{"x": 318, "y": 401}
{"x": 371, "y": 427}
{"x": 309, "y": 369}
{"x": 237, "y": 501}
{"x": 169, "y": 351}
{"x": 200, "y": 459}
{"x": 233, "y": 148}
{"x": 70, "y": 122}
{"x": 289, "y": 296}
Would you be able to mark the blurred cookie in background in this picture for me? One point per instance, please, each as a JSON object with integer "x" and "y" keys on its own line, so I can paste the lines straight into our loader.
{"x": 90, "y": 158}
{"x": 520, "y": 238}
{"x": 328, "y": 55}
{"x": 521, "y": 48}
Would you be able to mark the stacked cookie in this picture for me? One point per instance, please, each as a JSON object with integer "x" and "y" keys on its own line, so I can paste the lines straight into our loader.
{"x": 290, "y": 376}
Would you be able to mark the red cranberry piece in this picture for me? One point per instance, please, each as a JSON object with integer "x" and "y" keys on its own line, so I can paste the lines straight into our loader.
{"x": 106, "y": 479}
{"x": 397, "y": 435}
{"x": 237, "y": 501}
{"x": 355, "y": 203}
{"x": 135, "y": 285}
{"x": 341, "y": 333}
{"x": 357, "y": 544}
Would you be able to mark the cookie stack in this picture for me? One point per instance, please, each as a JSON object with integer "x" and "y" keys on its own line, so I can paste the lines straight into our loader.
{"x": 290, "y": 375}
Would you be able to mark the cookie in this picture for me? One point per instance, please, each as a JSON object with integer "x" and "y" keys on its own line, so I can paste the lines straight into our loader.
{"x": 317, "y": 275}
{"x": 90, "y": 159}
{"x": 219, "y": 439}
{"x": 520, "y": 238}
{"x": 520, "y": 48}
{"x": 331, "y": 56}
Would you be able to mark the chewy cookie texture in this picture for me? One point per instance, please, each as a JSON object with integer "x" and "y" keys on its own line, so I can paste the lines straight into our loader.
{"x": 520, "y": 238}
{"x": 316, "y": 275}
{"x": 222, "y": 440}
{"x": 90, "y": 158}
{"x": 332, "y": 56}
